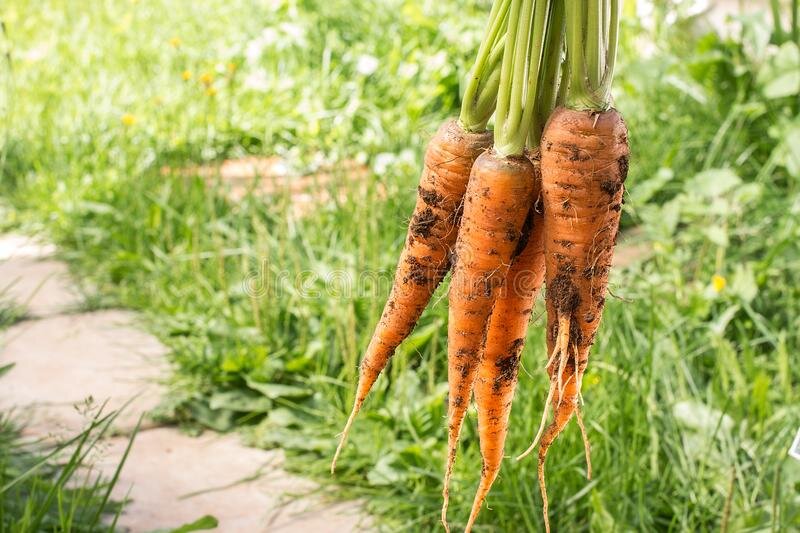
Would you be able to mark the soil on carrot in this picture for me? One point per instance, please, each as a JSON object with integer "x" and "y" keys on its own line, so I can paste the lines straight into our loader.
{"x": 432, "y": 198}
{"x": 423, "y": 222}
{"x": 417, "y": 272}
{"x": 564, "y": 292}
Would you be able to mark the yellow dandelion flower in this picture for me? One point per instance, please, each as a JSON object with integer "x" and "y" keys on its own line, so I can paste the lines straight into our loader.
{"x": 231, "y": 67}
{"x": 211, "y": 91}
{"x": 186, "y": 75}
{"x": 206, "y": 78}
{"x": 128, "y": 119}
{"x": 718, "y": 282}
{"x": 175, "y": 42}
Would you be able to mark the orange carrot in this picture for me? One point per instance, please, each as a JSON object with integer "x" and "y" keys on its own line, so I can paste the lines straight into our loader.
{"x": 584, "y": 165}
{"x": 496, "y": 204}
{"x": 505, "y": 339}
{"x": 426, "y": 256}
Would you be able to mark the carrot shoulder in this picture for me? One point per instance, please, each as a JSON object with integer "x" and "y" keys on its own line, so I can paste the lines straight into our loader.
{"x": 425, "y": 258}
{"x": 495, "y": 207}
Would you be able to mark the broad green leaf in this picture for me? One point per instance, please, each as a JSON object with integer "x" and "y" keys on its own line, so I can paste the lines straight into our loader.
{"x": 743, "y": 282}
{"x": 781, "y": 76}
{"x": 240, "y": 401}
{"x": 717, "y": 234}
{"x": 216, "y": 419}
{"x": 713, "y": 182}
{"x": 644, "y": 191}
{"x": 786, "y": 84}
{"x": 698, "y": 416}
{"x": 383, "y": 473}
{"x": 420, "y": 337}
{"x": 756, "y": 32}
{"x": 278, "y": 390}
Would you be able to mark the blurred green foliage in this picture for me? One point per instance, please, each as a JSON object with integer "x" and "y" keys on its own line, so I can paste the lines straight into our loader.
{"x": 692, "y": 390}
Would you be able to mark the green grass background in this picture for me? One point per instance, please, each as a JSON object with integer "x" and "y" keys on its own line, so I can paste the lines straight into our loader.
{"x": 692, "y": 392}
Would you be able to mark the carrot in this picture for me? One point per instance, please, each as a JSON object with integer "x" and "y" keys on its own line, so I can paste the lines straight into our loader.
{"x": 432, "y": 232}
{"x": 498, "y": 199}
{"x": 508, "y": 325}
{"x": 584, "y": 165}
{"x": 425, "y": 258}
{"x": 505, "y": 338}
{"x": 495, "y": 207}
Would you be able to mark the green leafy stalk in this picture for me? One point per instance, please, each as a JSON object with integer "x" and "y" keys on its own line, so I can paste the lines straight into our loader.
{"x": 775, "y": 5}
{"x": 550, "y": 73}
{"x": 481, "y": 89}
{"x": 592, "y": 34}
{"x": 519, "y": 75}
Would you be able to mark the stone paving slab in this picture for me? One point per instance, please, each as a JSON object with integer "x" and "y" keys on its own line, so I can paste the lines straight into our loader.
{"x": 214, "y": 474}
{"x": 61, "y": 360}
{"x": 15, "y": 245}
{"x": 32, "y": 280}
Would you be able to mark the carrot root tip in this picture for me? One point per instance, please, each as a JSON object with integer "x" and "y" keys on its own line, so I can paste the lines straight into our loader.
{"x": 542, "y": 424}
{"x": 345, "y": 433}
{"x": 587, "y": 447}
{"x": 543, "y": 489}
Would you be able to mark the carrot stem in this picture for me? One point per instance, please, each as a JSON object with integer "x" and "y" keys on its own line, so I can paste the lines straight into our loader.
{"x": 519, "y": 74}
{"x": 549, "y": 74}
{"x": 775, "y": 5}
{"x": 474, "y": 116}
{"x": 592, "y": 35}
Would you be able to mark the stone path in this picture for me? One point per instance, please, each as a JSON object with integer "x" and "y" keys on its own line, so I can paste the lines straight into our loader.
{"x": 62, "y": 356}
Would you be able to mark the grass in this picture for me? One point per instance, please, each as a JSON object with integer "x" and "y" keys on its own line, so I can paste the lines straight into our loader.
{"x": 691, "y": 393}
{"x": 51, "y": 486}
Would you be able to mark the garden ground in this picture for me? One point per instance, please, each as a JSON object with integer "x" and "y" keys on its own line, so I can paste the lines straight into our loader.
{"x": 692, "y": 389}
{"x": 68, "y": 364}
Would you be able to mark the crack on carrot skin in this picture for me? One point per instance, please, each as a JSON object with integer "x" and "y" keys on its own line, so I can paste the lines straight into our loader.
{"x": 575, "y": 153}
{"x": 525, "y": 234}
{"x": 566, "y": 186}
{"x": 575, "y": 333}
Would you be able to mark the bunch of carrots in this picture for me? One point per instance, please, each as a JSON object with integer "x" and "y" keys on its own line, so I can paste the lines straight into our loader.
{"x": 536, "y": 201}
